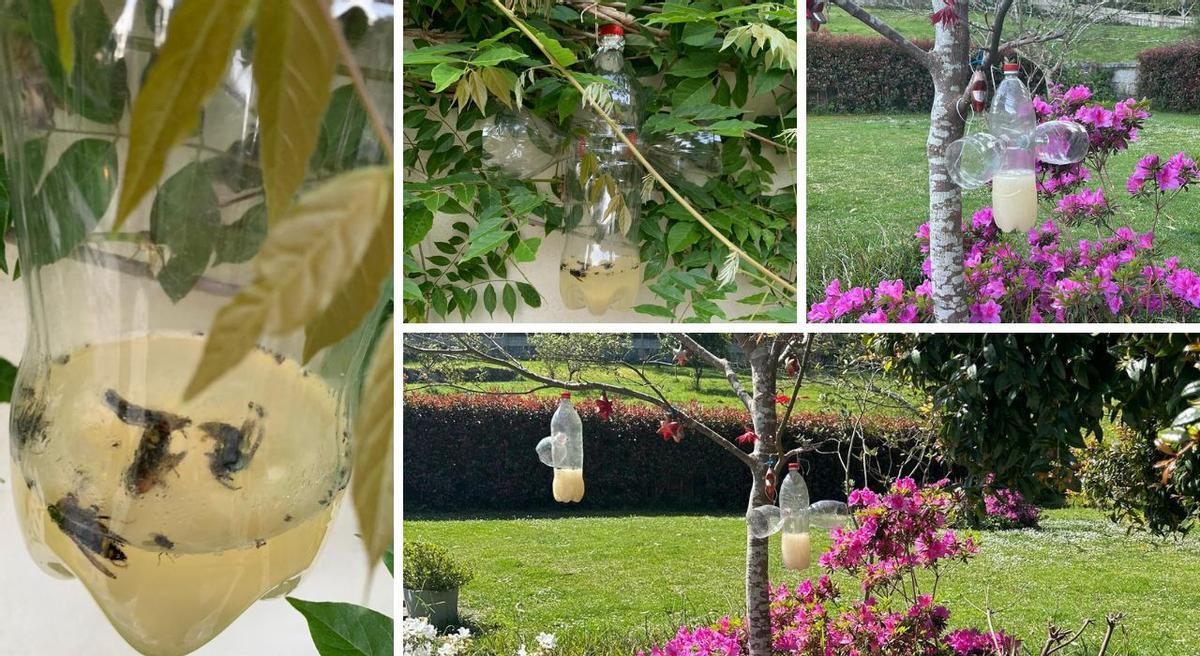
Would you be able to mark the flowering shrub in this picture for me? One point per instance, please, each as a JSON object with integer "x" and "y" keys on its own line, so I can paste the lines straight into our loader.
{"x": 1116, "y": 277}
{"x": 896, "y": 534}
{"x": 1007, "y": 508}
{"x": 419, "y": 638}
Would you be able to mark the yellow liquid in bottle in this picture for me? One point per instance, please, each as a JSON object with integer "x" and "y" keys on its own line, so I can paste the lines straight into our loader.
{"x": 600, "y": 284}
{"x": 568, "y": 485}
{"x": 1014, "y": 201}
{"x": 797, "y": 551}
{"x": 198, "y": 542}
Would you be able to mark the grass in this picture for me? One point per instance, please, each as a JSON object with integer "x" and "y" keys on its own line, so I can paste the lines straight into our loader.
{"x": 607, "y": 585}
{"x": 867, "y": 193}
{"x": 677, "y": 383}
{"x": 1101, "y": 44}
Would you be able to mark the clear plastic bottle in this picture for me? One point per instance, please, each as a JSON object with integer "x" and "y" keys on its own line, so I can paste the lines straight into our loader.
{"x": 563, "y": 450}
{"x": 601, "y": 267}
{"x": 793, "y": 504}
{"x": 1013, "y": 121}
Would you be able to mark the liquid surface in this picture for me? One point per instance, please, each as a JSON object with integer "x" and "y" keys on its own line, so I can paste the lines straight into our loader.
{"x": 568, "y": 485}
{"x": 1014, "y": 201}
{"x": 175, "y": 515}
{"x": 599, "y": 283}
{"x": 797, "y": 551}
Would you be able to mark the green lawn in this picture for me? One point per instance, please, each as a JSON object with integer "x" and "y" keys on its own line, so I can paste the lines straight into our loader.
{"x": 1100, "y": 43}
{"x": 607, "y": 585}
{"x": 867, "y": 193}
{"x": 677, "y": 383}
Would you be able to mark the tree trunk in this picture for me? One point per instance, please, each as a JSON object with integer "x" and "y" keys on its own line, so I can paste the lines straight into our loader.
{"x": 758, "y": 349}
{"x": 950, "y": 72}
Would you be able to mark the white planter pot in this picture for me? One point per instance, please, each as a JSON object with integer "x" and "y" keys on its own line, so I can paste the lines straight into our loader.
{"x": 439, "y": 607}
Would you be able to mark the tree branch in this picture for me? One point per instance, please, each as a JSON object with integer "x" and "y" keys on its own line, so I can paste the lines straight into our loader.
{"x": 787, "y": 414}
{"x": 604, "y": 12}
{"x": 720, "y": 364}
{"x": 472, "y": 352}
{"x": 993, "y": 50}
{"x": 637, "y": 154}
{"x": 884, "y": 29}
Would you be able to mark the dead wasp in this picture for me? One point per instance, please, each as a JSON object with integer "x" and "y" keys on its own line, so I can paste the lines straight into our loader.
{"x": 86, "y": 528}
{"x": 235, "y": 447}
{"x": 29, "y": 424}
{"x": 153, "y": 456}
{"x": 162, "y": 541}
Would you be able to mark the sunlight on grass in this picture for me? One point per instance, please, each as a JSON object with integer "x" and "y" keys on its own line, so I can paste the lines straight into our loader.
{"x": 608, "y": 584}
{"x": 867, "y": 193}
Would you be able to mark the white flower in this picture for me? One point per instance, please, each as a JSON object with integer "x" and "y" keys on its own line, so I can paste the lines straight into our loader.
{"x": 521, "y": 651}
{"x": 546, "y": 640}
{"x": 464, "y": 632}
{"x": 447, "y": 649}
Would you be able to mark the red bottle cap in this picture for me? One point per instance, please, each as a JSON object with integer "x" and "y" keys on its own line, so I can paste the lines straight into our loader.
{"x": 612, "y": 28}
{"x": 793, "y": 466}
{"x": 566, "y": 395}
{"x": 1010, "y": 67}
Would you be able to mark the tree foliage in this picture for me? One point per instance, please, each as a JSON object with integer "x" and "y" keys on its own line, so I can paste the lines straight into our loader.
{"x": 716, "y": 65}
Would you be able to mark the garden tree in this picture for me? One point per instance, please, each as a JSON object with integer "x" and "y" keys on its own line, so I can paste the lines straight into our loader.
{"x": 720, "y": 67}
{"x": 949, "y": 67}
{"x": 1019, "y": 407}
{"x": 573, "y": 351}
{"x": 766, "y": 355}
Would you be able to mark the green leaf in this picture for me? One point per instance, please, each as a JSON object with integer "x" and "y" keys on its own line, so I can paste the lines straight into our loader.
{"x": 500, "y": 82}
{"x": 443, "y": 75}
{"x": 496, "y": 55}
{"x": 294, "y": 59}
{"x": 493, "y": 40}
{"x": 681, "y": 236}
{"x": 654, "y": 310}
{"x": 340, "y": 629}
{"x": 509, "y": 297}
{"x": 412, "y": 292}
{"x": 699, "y": 34}
{"x": 182, "y": 272}
{"x": 416, "y": 226}
{"x": 62, "y": 31}
{"x": 240, "y": 240}
{"x": 527, "y": 250}
{"x": 435, "y": 54}
{"x": 189, "y": 66}
{"x": 486, "y": 236}
{"x": 388, "y": 557}
{"x": 94, "y": 85}
{"x": 302, "y": 265}
{"x": 530, "y": 295}
{"x": 73, "y": 197}
{"x": 342, "y": 130}
{"x": 8, "y": 378}
{"x": 568, "y": 102}
{"x": 560, "y": 55}
{"x": 489, "y": 299}
{"x": 371, "y": 486}
{"x": 186, "y": 214}
{"x": 699, "y": 64}
{"x": 768, "y": 79}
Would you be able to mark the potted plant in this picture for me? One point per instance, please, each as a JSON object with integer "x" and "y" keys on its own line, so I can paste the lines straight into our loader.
{"x": 431, "y": 582}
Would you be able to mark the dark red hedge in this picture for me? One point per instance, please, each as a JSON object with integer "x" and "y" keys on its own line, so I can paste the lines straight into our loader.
{"x": 850, "y": 74}
{"x": 1170, "y": 77}
{"x": 470, "y": 453}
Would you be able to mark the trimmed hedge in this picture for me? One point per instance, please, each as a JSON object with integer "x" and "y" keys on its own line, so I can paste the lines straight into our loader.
{"x": 1170, "y": 76}
{"x": 470, "y": 453}
{"x": 850, "y": 74}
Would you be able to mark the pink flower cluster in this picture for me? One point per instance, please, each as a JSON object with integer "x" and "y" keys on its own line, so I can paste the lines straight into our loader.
{"x": 897, "y": 533}
{"x": 1087, "y": 206}
{"x": 1175, "y": 174}
{"x": 1010, "y": 509}
{"x": 904, "y": 528}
